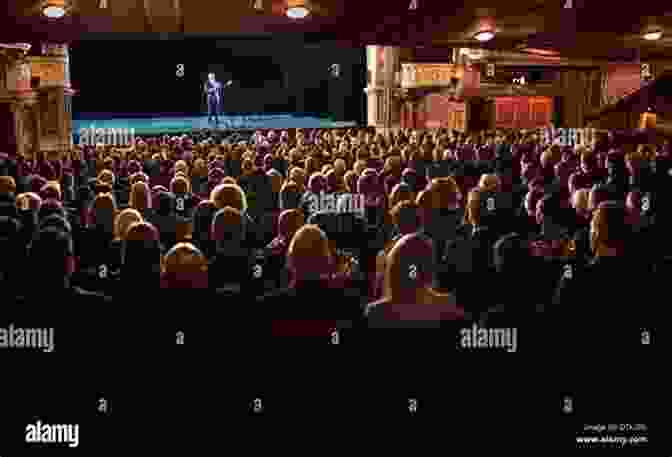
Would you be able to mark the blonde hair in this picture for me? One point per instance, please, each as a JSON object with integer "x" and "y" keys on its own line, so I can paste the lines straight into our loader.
{"x": 107, "y": 177}
{"x": 29, "y": 200}
{"x": 7, "y": 184}
{"x": 52, "y": 189}
{"x": 184, "y": 258}
{"x": 472, "y": 214}
{"x": 580, "y": 199}
{"x": 180, "y": 185}
{"x": 229, "y": 195}
{"x": 308, "y": 244}
{"x": 489, "y": 183}
{"x": 141, "y": 197}
{"x": 124, "y": 220}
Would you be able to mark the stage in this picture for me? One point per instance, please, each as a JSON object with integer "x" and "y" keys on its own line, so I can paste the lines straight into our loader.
{"x": 153, "y": 125}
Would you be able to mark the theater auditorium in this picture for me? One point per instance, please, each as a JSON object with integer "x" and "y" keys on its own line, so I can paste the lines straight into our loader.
{"x": 511, "y": 175}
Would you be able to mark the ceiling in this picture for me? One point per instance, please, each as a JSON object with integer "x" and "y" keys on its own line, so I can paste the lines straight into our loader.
{"x": 595, "y": 29}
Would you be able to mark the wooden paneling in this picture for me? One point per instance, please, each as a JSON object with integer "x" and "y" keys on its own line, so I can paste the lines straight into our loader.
{"x": 442, "y": 112}
{"x": 523, "y": 112}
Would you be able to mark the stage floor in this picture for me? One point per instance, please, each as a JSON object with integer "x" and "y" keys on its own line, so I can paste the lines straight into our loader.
{"x": 156, "y": 125}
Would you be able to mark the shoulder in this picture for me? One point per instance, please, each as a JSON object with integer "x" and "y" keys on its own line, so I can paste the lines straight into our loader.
{"x": 82, "y": 294}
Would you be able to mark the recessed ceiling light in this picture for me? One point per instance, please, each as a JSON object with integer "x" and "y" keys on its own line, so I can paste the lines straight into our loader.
{"x": 484, "y": 35}
{"x": 54, "y": 8}
{"x": 651, "y": 36}
{"x": 297, "y": 9}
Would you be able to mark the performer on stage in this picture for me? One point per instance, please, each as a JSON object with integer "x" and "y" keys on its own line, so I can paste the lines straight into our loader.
{"x": 213, "y": 90}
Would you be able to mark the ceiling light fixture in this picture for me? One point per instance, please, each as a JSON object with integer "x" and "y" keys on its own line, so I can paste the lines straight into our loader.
{"x": 484, "y": 35}
{"x": 54, "y": 8}
{"x": 655, "y": 35}
{"x": 297, "y": 9}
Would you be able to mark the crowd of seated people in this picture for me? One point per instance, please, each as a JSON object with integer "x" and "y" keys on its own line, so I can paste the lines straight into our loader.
{"x": 494, "y": 228}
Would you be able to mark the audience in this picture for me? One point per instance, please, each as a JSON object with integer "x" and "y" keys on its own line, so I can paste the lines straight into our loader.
{"x": 435, "y": 241}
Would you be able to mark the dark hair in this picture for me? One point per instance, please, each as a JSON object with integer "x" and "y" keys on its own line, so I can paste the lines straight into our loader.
{"x": 49, "y": 249}
{"x": 510, "y": 253}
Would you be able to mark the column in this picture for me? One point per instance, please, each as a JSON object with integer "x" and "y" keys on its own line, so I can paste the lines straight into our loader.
{"x": 55, "y": 95}
{"x": 383, "y": 110}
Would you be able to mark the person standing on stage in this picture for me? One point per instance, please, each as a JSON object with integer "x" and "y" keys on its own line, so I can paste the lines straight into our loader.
{"x": 213, "y": 89}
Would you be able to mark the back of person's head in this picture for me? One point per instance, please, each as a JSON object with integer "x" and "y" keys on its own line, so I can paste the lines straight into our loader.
{"x": 141, "y": 197}
{"x": 203, "y": 218}
{"x": 141, "y": 254}
{"x": 185, "y": 267}
{"x": 276, "y": 180}
{"x": 289, "y": 221}
{"x": 609, "y": 227}
{"x": 511, "y": 253}
{"x": 444, "y": 192}
{"x": 580, "y": 199}
{"x": 229, "y": 195}
{"x": 180, "y": 185}
{"x": 359, "y": 167}
{"x": 51, "y": 254}
{"x": 340, "y": 167}
{"x": 51, "y": 190}
{"x": 316, "y": 183}
{"x": 200, "y": 169}
{"x": 489, "y": 183}
{"x": 181, "y": 166}
{"x": 56, "y": 220}
{"x": 406, "y": 216}
{"x": 548, "y": 209}
{"x": 350, "y": 180}
{"x": 400, "y": 192}
{"x": 309, "y": 255}
{"x": 7, "y": 185}
{"x": 104, "y": 211}
{"x": 10, "y": 245}
{"x": 166, "y": 204}
{"x": 138, "y": 177}
{"x": 124, "y": 220}
{"x": 228, "y": 225}
{"x": 290, "y": 197}
{"x": 51, "y": 206}
{"x": 597, "y": 195}
{"x": 472, "y": 213}
{"x": 28, "y": 201}
{"x": 409, "y": 267}
{"x": 633, "y": 202}
{"x": 107, "y": 177}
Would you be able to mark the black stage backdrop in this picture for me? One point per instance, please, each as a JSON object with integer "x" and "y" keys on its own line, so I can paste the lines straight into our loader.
{"x": 127, "y": 78}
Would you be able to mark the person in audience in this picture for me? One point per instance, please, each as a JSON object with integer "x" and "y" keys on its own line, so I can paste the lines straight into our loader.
{"x": 13, "y": 249}
{"x": 122, "y": 222}
{"x": 408, "y": 295}
{"x": 606, "y": 288}
{"x": 140, "y": 260}
{"x": 469, "y": 256}
{"x": 290, "y": 196}
{"x": 164, "y": 218}
{"x": 231, "y": 267}
{"x": 293, "y": 309}
{"x": 141, "y": 199}
{"x": 51, "y": 263}
{"x": 184, "y": 267}
{"x": 514, "y": 306}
